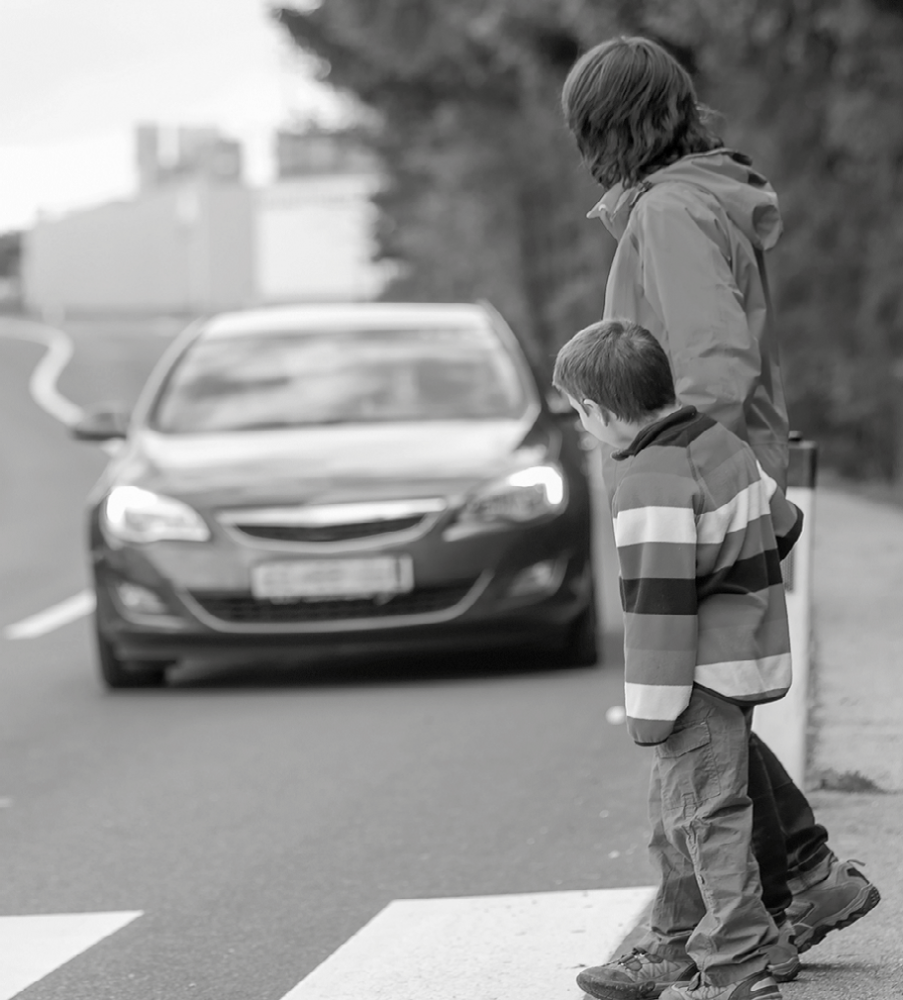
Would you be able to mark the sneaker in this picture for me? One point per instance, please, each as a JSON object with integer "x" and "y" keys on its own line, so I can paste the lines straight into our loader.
{"x": 783, "y": 958}
{"x": 837, "y": 901}
{"x": 759, "y": 986}
{"x": 637, "y": 976}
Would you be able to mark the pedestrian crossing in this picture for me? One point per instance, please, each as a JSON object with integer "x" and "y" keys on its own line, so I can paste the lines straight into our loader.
{"x": 525, "y": 945}
{"x": 529, "y": 946}
{"x": 34, "y": 946}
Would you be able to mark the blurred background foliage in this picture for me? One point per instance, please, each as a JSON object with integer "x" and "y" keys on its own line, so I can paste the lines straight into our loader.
{"x": 485, "y": 197}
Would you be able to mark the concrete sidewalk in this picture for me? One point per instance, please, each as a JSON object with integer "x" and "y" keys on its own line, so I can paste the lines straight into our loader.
{"x": 855, "y": 777}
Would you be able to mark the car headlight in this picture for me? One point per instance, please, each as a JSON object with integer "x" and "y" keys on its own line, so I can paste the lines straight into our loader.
{"x": 519, "y": 497}
{"x": 135, "y": 515}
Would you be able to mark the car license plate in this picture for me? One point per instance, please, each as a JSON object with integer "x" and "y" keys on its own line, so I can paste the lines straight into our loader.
{"x": 332, "y": 578}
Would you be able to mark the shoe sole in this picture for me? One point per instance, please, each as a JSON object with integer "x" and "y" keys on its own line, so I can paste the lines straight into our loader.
{"x": 628, "y": 991}
{"x": 872, "y": 899}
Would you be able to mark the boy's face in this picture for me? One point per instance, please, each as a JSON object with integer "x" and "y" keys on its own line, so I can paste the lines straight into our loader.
{"x": 595, "y": 421}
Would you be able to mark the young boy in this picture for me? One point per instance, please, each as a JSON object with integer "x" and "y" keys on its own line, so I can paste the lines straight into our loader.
{"x": 700, "y": 530}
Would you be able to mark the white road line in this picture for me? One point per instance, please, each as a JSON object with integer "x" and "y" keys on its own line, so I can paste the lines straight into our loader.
{"x": 34, "y": 946}
{"x": 529, "y": 946}
{"x": 42, "y": 386}
{"x": 52, "y": 618}
{"x": 43, "y": 379}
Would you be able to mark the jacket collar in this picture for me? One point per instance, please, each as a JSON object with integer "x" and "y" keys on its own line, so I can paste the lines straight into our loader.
{"x": 685, "y": 415}
{"x": 615, "y": 206}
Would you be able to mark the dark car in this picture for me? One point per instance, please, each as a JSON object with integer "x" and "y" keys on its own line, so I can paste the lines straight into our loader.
{"x": 363, "y": 476}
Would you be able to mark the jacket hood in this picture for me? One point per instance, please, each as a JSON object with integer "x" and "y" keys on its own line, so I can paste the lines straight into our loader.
{"x": 746, "y": 196}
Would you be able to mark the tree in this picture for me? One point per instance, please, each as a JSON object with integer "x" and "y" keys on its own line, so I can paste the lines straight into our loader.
{"x": 485, "y": 197}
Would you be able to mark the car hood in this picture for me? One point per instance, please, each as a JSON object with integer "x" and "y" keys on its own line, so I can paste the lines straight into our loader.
{"x": 331, "y": 464}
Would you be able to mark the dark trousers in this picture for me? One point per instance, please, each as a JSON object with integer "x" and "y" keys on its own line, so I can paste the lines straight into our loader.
{"x": 790, "y": 847}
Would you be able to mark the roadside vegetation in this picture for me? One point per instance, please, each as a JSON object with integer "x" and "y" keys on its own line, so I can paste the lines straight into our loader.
{"x": 484, "y": 195}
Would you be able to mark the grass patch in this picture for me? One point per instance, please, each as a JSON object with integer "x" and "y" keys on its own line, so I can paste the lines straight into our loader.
{"x": 847, "y": 781}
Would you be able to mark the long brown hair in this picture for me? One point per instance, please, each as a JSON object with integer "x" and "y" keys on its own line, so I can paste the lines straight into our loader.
{"x": 632, "y": 108}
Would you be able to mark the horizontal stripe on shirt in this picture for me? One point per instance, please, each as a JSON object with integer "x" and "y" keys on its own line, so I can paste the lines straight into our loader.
{"x": 746, "y": 678}
{"x": 649, "y": 732}
{"x": 731, "y": 613}
{"x": 656, "y": 701}
{"x": 643, "y": 525}
{"x": 719, "y": 644}
{"x": 748, "y": 505}
{"x": 714, "y": 556}
{"x": 665, "y": 633}
{"x": 658, "y": 559}
{"x": 659, "y": 597}
{"x": 745, "y": 576}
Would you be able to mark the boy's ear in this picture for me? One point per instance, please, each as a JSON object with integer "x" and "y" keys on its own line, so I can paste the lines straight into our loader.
{"x": 593, "y": 408}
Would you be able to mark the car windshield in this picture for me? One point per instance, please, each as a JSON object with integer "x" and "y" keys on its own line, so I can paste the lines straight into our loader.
{"x": 258, "y": 381}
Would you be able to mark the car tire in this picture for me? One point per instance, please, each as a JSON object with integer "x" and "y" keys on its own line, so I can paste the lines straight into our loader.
{"x": 581, "y": 646}
{"x": 117, "y": 673}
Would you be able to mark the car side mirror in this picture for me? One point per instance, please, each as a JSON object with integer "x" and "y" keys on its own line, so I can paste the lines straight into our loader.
{"x": 101, "y": 425}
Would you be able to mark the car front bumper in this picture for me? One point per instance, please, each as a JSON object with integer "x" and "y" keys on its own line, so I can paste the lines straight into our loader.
{"x": 462, "y": 599}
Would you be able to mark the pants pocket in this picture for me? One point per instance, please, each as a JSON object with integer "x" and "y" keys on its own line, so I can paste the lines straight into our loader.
{"x": 689, "y": 773}
{"x": 683, "y": 741}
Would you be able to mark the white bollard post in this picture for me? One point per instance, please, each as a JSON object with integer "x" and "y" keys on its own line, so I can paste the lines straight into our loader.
{"x": 784, "y": 724}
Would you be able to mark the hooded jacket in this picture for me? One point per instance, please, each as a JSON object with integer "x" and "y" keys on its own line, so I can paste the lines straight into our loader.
{"x": 690, "y": 267}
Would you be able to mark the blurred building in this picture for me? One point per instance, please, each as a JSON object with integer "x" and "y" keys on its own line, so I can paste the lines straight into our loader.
{"x": 195, "y": 239}
{"x": 315, "y": 151}
{"x": 315, "y": 224}
{"x": 166, "y": 154}
{"x": 183, "y": 248}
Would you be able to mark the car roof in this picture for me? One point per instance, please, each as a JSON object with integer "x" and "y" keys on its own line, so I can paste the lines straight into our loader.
{"x": 375, "y": 315}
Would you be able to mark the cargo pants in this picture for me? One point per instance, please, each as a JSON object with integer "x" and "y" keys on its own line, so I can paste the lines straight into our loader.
{"x": 709, "y": 900}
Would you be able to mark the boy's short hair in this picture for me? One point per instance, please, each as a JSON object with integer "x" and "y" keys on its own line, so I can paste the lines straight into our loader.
{"x": 619, "y": 365}
{"x": 632, "y": 108}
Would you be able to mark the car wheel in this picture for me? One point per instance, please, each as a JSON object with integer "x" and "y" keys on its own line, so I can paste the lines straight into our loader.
{"x": 581, "y": 647}
{"x": 117, "y": 673}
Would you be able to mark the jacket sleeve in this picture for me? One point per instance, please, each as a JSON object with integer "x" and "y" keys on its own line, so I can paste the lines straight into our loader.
{"x": 786, "y": 517}
{"x": 690, "y": 287}
{"x": 656, "y": 547}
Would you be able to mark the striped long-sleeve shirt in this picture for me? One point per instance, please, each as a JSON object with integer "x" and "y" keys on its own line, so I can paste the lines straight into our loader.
{"x": 700, "y": 531}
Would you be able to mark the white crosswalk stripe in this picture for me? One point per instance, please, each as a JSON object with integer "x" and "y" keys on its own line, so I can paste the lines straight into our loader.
{"x": 33, "y": 946}
{"x": 530, "y": 946}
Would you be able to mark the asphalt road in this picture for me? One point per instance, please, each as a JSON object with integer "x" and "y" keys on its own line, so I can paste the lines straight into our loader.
{"x": 259, "y": 816}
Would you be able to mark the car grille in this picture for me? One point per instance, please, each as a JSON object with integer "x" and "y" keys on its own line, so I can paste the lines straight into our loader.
{"x": 326, "y": 532}
{"x": 243, "y": 609}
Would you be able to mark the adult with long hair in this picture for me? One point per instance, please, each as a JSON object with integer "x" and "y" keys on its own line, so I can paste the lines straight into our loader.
{"x": 693, "y": 220}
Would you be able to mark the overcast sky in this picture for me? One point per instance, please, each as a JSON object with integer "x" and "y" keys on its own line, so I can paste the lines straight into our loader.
{"x": 76, "y": 75}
